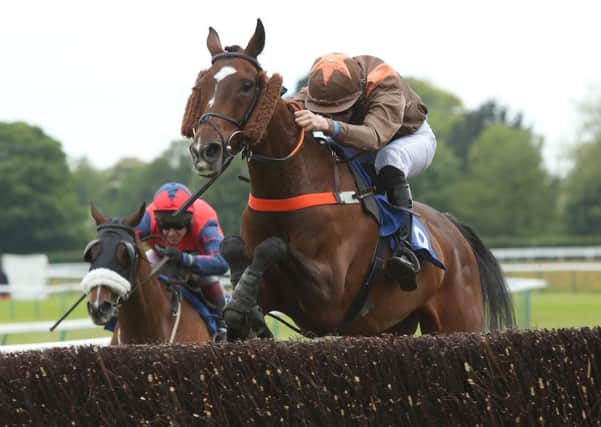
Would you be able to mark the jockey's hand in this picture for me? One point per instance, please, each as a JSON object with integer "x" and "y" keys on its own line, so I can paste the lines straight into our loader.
{"x": 310, "y": 121}
{"x": 174, "y": 254}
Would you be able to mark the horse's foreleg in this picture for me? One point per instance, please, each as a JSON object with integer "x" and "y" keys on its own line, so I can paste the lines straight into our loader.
{"x": 233, "y": 248}
{"x": 116, "y": 337}
{"x": 242, "y": 314}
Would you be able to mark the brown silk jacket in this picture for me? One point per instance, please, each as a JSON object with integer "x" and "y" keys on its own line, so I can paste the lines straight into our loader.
{"x": 387, "y": 109}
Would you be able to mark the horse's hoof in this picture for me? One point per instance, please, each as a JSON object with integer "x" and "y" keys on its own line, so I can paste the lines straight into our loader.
{"x": 232, "y": 249}
{"x": 269, "y": 251}
{"x": 220, "y": 336}
{"x": 256, "y": 319}
{"x": 234, "y": 319}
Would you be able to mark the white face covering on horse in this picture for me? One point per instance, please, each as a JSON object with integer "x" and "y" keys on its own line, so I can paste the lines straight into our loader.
{"x": 105, "y": 277}
{"x": 105, "y": 269}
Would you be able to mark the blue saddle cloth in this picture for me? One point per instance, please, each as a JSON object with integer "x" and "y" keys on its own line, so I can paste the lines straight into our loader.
{"x": 193, "y": 299}
{"x": 391, "y": 219}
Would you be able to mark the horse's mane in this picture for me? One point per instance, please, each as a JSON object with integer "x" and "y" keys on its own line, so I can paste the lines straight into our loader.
{"x": 233, "y": 48}
{"x": 193, "y": 108}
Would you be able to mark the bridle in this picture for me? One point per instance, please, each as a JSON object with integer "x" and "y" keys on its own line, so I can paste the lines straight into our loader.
{"x": 110, "y": 235}
{"x": 207, "y": 118}
{"x": 228, "y": 153}
{"x": 246, "y": 145}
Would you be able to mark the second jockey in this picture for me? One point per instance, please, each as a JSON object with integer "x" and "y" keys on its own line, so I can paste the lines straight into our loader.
{"x": 191, "y": 240}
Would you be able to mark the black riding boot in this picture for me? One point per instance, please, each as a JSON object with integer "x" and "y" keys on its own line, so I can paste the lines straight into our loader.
{"x": 221, "y": 331}
{"x": 404, "y": 264}
{"x": 199, "y": 284}
{"x": 221, "y": 327}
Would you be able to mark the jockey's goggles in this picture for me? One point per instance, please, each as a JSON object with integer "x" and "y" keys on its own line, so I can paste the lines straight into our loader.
{"x": 166, "y": 221}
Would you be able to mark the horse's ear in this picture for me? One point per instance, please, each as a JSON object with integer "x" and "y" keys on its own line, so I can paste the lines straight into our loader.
{"x": 213, "y": 42}
{"x": 97, "y": 215}
{"x": 257, "y": 41}
{"x": 135, "y": 218}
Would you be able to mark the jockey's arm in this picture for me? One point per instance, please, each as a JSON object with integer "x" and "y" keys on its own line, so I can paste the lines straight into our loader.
{"x": 143, "y": 228}
{"x": 383, "y": 120}
{"x": 211, "y": 263}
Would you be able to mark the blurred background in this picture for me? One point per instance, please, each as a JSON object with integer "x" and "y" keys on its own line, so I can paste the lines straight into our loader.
{"x": 515, "y": 104}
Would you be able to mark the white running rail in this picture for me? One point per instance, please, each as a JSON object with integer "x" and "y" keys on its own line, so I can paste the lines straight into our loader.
{"x": 550, "y": 253}
{"x": 45, "y": 345}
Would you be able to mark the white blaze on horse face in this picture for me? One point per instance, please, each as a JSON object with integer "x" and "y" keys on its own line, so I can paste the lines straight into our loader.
{"x": 220, "y": 75}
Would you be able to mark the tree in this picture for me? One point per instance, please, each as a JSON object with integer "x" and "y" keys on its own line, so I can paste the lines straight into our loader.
{"x": 436, "y": 185}
{"x": 590, "y": 111}
{"x": 173, "y": 165}
{"x": 39, "y": 210}
{"x": 445, "y": 110}
{"x": 122, "y": 188}
{"x": 473, "y": 123}
{"x": 88, "y": 181}
{"x": 583, "y": 190}
{"x": 506, "y": 190}
{"x": 582, "y": 186}
{"x": 130, "y": 182}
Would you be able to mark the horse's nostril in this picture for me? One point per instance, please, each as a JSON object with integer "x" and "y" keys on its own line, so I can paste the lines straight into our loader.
{"x": 211, "y": 152}
{"x": 103, "y": 309}
{"x": 106, "y": 307}
{"x": 194, "y": 151}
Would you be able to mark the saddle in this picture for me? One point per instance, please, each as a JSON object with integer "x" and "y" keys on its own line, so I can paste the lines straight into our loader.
{"x": 174, "y": 275}
{"x": 389, "y": 219}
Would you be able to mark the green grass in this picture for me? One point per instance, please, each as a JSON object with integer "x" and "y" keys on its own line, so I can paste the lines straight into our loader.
{"x": 565, "y": 309}
{"x": 49, "y": 309}
{"x": 549, "y": 309}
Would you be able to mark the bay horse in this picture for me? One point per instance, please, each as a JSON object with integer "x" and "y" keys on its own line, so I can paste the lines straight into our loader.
{"x": 121, "y": 280}
{"x": 306, "y": 248}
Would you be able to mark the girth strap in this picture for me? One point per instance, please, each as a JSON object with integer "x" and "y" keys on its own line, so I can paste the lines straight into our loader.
{"x": 359, "y": 305}
{"x": 301, "y": 202}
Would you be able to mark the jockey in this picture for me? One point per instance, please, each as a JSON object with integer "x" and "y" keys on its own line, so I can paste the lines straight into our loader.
{"x": 191, "y": 240}
{"x": 364, "y": 103}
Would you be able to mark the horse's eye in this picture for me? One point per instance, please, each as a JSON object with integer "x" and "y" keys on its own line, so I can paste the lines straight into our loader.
{"x": 247, "y": 85}
{"x": 123, "y": 256}
{"x": 91, "y": 251}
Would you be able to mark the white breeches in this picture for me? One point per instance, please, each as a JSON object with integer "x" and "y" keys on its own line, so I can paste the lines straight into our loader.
{"x": 411, "y": 153}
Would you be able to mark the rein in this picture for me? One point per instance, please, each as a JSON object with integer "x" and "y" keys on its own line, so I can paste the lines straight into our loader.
{"x": 248, "y": 153}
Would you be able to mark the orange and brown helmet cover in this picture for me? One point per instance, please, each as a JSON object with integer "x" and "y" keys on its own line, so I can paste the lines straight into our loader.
{"x": 334, "y": 84}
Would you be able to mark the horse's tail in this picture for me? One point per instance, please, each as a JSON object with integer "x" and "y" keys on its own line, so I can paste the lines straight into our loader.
{"x": 498, "y": 305}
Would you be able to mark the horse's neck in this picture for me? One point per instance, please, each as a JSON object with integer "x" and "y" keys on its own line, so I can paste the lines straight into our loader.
{"x": 310, "y": 170}
{"x": 144, "y": 314}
